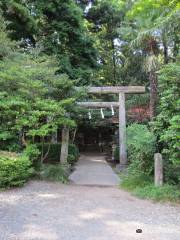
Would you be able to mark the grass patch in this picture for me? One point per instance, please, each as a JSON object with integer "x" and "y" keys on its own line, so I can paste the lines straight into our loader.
{"x": 164, "y": 193}
{"x": 130, "y": 182}
{"x": 142, "y": 186}
{"x": 55, "y": 172}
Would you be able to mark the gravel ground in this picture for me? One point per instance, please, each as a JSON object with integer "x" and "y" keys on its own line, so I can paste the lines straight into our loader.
{"x": 52, "y": 211}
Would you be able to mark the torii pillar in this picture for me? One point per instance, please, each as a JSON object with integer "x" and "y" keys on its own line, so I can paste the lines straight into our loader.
{"x": 122, "y": 130}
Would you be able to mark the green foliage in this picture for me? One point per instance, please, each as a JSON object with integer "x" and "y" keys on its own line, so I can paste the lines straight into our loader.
{"x": 54, "y": 151}
{"x": 165, "y": 193}
{"x": 141, "y": 148}
{"x": 15, "y": 169}
{"x": 6, "y": 45}
{"x": 55, "y": 172}
{"x": 32, "y": 152}
{"x": 167, "y": 123}
{"x": 132, "y": 180}
{"x": 104, "y": 19}
{"x": 142, "y": 186}
{"x": 33, "y": 100}
{"x": 22, "y": 23}
{"x": 71, "y": 159}
{"x": 67, "y": 37}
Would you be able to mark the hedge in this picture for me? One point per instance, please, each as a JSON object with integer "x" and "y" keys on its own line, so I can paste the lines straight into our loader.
{"x": 15, "y": 169}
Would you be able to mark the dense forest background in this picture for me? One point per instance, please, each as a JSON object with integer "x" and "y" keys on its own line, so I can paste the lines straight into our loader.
{"x": 47, "y": 48}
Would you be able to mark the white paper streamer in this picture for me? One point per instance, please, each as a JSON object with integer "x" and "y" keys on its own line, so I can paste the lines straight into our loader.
{"x": 89, "y": 115}
{"x": 112, "y": 110}
{"x": 102, "y": 114}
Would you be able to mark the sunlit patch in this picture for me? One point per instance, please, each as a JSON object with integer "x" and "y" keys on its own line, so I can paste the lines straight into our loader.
{"x": 35, "y": 232}
{"x": 47, "y": 195}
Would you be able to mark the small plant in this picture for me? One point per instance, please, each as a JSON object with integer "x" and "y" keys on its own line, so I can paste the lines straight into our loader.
{"x": 71, "y": 159}
{"x": 56, "y": 172}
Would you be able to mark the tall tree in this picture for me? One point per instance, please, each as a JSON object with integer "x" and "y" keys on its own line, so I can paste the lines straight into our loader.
{"x": 22, "y": 21}
{"x": 105, "y": 18}
{"x": 147, "y": 16}
{"x": 65, "y": 35}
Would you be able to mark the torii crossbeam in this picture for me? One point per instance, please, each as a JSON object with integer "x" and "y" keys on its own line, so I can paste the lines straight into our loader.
{"x": 121, "y": 90}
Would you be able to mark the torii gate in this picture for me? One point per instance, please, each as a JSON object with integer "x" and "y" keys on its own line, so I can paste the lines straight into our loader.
{"x": 121, "y": 91}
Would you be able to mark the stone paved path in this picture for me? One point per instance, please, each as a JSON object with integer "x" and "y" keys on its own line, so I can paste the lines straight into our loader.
{"x": 52, "y": 211}
{"x": 92, "y": 169}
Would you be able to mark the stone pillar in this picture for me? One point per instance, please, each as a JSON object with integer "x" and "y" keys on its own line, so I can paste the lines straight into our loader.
{"x": 158, "y": 169}
{"x": 122, "y": 130}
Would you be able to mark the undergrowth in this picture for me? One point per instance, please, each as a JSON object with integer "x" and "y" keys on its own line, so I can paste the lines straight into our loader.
{"x": 142, "y": 186}
{"x": 55, "y": 172}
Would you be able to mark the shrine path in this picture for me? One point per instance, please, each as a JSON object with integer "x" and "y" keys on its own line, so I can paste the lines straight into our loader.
{"x": 93, "y": 170}
{"x": 53, "y": 211}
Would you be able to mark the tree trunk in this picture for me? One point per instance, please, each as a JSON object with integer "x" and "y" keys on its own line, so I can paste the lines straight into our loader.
{"x": 175, "y": 47}
{"x": 74, "y": 135}
{"x": 64, "y": 145}
{"x": 114, "y": 60}
{"x": 165, "y": 51}
{"x": 153, "y": 94}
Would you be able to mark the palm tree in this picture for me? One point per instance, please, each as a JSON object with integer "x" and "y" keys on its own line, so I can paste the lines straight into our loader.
{"x": 150, "y": 50}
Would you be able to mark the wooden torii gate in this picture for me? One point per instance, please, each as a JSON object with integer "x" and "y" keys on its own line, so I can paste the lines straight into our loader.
{"x": 121, "y": 91}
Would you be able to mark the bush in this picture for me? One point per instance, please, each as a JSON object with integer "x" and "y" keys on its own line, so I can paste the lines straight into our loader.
{"x": 71, "y": 159}
{"x": 167, "y": 122}
{"x": 141, "y": 147}
{"x": 55, "y": 151}
{"x": 56, "y": 172}
{"x": 32, "y": 152}
{"x": 73, "y": 150}
{"x": 15, "y": 169}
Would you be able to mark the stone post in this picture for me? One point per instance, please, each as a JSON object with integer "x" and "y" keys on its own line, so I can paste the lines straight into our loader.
{"x": 158, "y": 169}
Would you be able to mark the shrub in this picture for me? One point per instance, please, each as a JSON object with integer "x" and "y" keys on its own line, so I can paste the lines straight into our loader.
{"x": 71, "y": 159}
{"x": 167, "y": 122}
{"x": 73, "y": 150}
{"x": 32, "y": 152}
{"x": 56, "y": 172}
{"x": 15, "y": 169}
{"x": 141, "y": 147}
